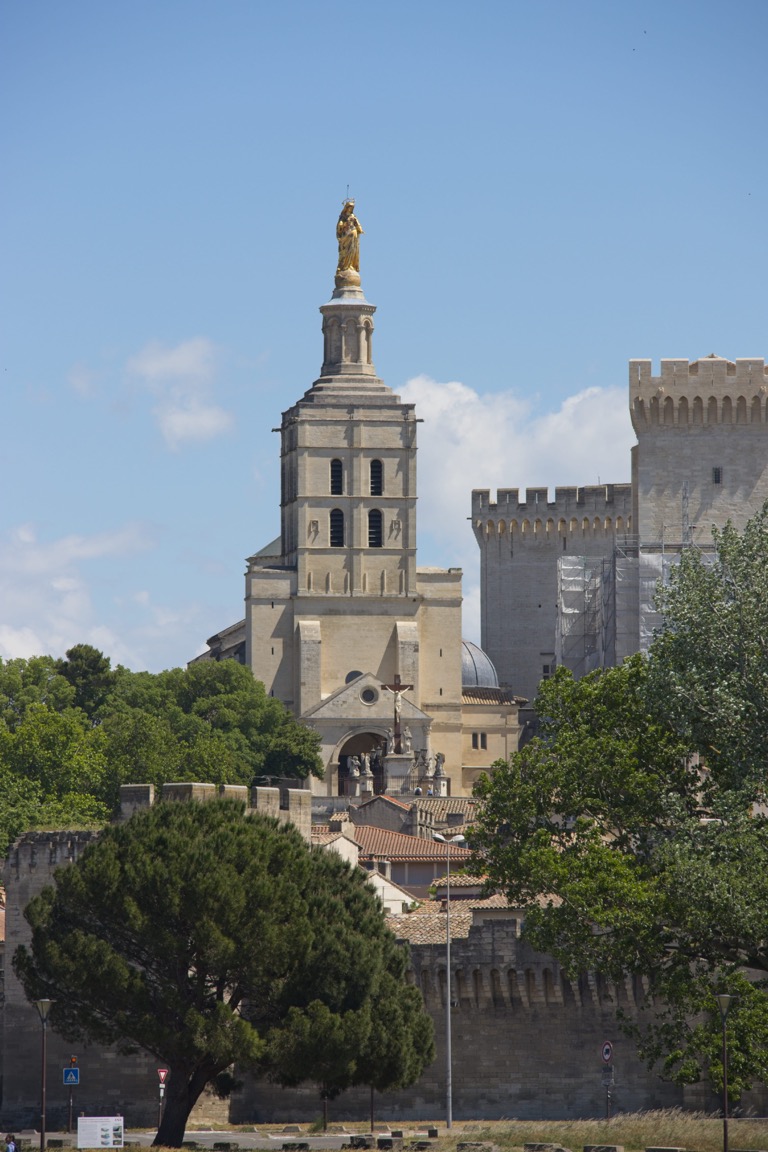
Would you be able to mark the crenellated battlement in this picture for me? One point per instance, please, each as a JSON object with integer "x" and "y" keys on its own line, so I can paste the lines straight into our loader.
{"x": 698, "y": 392}
{"x": 593, "y": 510}
{"x": 41, "y": 852}
{"x": 518, "y": 978}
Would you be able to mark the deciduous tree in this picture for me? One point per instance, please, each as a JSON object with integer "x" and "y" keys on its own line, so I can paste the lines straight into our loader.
{"x": 629, "y": 857}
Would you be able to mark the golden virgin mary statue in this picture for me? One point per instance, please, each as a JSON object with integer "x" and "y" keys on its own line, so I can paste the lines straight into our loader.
{"x": 348, "y": 233}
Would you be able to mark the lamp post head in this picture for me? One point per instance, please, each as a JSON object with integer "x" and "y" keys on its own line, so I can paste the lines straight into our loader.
{"x": 43, "y": 1008}
{"x": 724, "y": 1001}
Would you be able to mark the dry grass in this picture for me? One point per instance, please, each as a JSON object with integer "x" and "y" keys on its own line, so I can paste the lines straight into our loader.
{"x": 635, "y": 1131}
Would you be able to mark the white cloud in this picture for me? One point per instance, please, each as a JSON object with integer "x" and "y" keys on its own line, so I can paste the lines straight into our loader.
{"x": 45, "y": 599}
{"x": 495, "y": 440}
{"x": 82, "y": 379}
{"x": 190, "y": 360}
{"x": 181, "y": 379}
{"x": 184, "y": 417}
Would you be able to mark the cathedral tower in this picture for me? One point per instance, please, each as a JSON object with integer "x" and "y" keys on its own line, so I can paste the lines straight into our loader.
{"x": 336, "y": 608}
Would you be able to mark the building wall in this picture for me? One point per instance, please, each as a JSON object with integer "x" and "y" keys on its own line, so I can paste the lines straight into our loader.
{"x": 691, "y": 420}
{"x": 526, "y": 1042}
{"x": 520, "y": 542}
{"x": 110, "y": 1084}
{"x": 701, "y": 459}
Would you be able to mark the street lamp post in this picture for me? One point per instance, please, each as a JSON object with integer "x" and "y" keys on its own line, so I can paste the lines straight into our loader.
{"x": 458, "y": 839}
{"x": 43, "y": 1008}
{"x": 724, "y": 1004}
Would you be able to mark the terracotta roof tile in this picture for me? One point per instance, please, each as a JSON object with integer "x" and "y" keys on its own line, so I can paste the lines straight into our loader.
{"x": 390, "y": 799}
{"x": 397, "y": 846}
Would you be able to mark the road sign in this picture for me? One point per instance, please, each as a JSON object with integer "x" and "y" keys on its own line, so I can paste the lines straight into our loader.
{"x": 607, "y": 1052}
{"x": 162, "y": 1073}
{"x": 71, "y": 1077}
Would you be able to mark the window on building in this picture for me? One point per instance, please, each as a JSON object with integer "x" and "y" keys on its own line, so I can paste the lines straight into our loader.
{"x": 717, "y": 475}
{"x": 375, "y": 528}
{"x": 546, "y": 671}
{"x": 337, "y": 528}
{"x": 479, "y": 739}
{"x": 337, "y": 478}
{"x": 475, "y": 739}
{"x": 377, "y": 478}
{"x": 483, "y": 740}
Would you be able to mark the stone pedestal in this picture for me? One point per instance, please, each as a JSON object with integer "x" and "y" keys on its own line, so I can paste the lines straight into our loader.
{"x": 397, "y": 772}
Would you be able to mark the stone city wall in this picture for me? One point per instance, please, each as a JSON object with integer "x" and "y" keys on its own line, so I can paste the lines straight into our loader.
{"x": 526, "y": 1042}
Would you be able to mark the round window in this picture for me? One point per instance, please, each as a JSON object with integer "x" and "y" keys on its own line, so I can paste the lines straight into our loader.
{"x": 369, "y": 695}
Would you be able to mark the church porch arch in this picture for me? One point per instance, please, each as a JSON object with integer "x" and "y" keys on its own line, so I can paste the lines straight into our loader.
{"x": 359, "y": 744}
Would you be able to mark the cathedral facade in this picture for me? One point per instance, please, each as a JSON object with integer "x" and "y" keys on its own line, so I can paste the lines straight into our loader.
{"x": 340, "y": 622}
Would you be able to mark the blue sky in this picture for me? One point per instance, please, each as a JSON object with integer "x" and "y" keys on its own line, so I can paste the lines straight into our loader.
{"x": 547, "y": 189}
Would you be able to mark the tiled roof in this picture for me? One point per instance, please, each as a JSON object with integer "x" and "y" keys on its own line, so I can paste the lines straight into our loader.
{"x": 426, "y": 924}
{"x": 477, "y": 695}
{"x": 397, "y": 846}
{"x": 462, "y": 880}
{"x": 325, "y": 836}
{"x": 443, "y": 806}
{"x": 389, "y": 799}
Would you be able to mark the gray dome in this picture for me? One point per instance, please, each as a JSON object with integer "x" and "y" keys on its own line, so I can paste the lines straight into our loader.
{"x": 476, "y": 669}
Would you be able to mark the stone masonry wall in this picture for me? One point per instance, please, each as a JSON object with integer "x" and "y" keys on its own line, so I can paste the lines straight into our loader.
{"x": 526, "y": 1043}
{"x": 520, "y": 543}
{"x": 110, "y": 1084}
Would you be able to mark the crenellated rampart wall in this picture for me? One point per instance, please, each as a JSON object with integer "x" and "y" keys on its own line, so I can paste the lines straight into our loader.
{"x": 600, "y": 510}
{"x": 526, "y": 1042}
{"x": 698, "y": 393}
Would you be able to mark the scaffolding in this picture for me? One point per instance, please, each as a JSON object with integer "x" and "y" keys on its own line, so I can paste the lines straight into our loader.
{"x": 606, "y": 607}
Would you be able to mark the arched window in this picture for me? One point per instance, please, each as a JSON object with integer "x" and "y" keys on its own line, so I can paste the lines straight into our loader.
{"x": 377, "y": 478}
{"x": 337, "y": 478}
{"x": 337, "y": 528}
{"x": 375, "y": 529}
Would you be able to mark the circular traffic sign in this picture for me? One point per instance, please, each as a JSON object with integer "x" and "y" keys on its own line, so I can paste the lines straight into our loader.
{"x": 607, "y": 1052}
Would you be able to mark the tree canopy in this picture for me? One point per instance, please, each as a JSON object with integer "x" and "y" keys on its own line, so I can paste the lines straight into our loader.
{"x": 73, "y": 730}
{"x": 207, "y": 935}
{"x": 633, "y": 829}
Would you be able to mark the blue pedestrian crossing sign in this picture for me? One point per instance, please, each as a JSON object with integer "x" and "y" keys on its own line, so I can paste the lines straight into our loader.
{"x": 71, "y": 1077}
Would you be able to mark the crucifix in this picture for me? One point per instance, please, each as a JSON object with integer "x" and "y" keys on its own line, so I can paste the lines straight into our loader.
{"x": 397, "y": 690}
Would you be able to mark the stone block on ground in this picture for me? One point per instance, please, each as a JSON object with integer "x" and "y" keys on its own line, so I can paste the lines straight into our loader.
{"x": 545, "y": 1146}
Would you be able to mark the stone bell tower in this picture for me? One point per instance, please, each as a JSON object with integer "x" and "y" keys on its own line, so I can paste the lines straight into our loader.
{"x": 348, "y": 462}
{"x": 338, "y": 597}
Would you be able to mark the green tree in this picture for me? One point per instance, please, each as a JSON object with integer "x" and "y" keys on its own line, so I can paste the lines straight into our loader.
{"x": 333, "y": 1035}
{"x": 207, "y": 936}
{"x": 628, "y": 857}
{"x": 20, "y": 801}
{"x": 709, "y": 664}
{"x": 88, "y": 671}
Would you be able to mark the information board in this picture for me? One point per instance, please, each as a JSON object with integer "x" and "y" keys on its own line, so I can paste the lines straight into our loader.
{"x": 100, "y": 1132}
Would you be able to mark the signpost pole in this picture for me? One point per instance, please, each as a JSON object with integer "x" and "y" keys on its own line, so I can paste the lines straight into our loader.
{"x": 162, "y": 1074}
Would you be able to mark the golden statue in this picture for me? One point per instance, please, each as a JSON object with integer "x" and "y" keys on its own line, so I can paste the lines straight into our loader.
{"x": 348, "y": 233}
